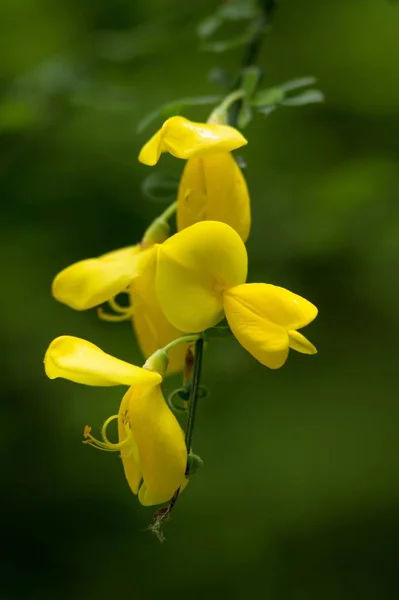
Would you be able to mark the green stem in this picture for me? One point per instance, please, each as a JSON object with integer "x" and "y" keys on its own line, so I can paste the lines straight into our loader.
{"x": 185, "y": 339}
{"x": 162, "y": 516}
{"x": 193, "y": 399}
{"x": 232, "y": 102}
{"x": 159, "y": 229}
{"x": 266, "y": 12}
{"x": 169, "y": 212}
{"x": 219, "y": 114}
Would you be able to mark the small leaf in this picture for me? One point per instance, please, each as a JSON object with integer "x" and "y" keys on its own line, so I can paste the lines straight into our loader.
{"x": 268, "y": 97}
{"x": 239, "y": 10}
{"x": 308, "y": 97}
{"x": 224, "y": 45}
{"x": 250, "y": 80}
{"x": 267, "y": 110}
{"x": 220, "y": 77}
{"x": 244, "y": 116}
{"x": 295, "y": 84}
{"x": 209, "y": 26}
{"x": 160, "y": 187}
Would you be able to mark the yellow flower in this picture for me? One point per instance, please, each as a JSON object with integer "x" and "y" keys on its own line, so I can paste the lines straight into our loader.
{"x": 91, "y": 282}
{"x": 213, "y": 188}
{"x": 201, "y": 275}
{"x": 151, "y": 441}
{"x": 264, "y": 318}
{"x": 185, "y": 139}
{"x": 194, "y": 268}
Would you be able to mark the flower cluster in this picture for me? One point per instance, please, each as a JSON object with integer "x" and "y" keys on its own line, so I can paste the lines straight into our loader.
{"x": 179, "y": 287}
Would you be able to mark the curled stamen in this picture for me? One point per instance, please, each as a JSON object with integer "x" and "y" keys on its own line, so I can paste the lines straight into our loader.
{"x": 118, "y": 308}
{"x": 105, "y": 445}
{"x": 114, "y": 318}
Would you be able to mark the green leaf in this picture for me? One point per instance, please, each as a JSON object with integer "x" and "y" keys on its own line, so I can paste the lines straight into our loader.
{"x": 244, "y": 115}
{"x": 308, "y": 97}
{"x": 238, "y": 10}
{"x": 295, "y": 84}
{"x": 224, "y": 45}
{"x": 229, "y": 11}
{"x": 209, "y": 26}
{"x": 160, "y": 187}
{"x": 175, "y": 108}
{"x": 250, "y": 80}
{"x": 267, "y": 110}
{"x": 220, "y": 77}
{"x": 268, "y": 97}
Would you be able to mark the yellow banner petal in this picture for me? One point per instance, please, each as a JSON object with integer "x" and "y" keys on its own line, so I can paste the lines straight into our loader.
{"x": 184, "y": 139}
{"x": 194, "y": 267}
{"x": 213, "y": 188}
{"x": 82, "y": 362}
{"x": 93, "y": 281}
{"x": 160, "y": 443}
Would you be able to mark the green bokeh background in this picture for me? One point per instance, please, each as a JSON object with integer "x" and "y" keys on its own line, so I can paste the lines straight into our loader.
{"x": 299, "y": 497}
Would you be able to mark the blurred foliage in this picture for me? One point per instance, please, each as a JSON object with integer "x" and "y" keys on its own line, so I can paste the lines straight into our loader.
{"x": 299, "y": 494}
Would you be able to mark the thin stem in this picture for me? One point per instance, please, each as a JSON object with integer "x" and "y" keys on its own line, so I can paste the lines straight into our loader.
{"x": 163, "y": 515}
{"x": 159, "y": 229}
{"x": 234, "y": 101}
{"x": 266, "y": 11}
{"x": 219, "y": 113}
{"x": 169, "y": 212}
{"x": 193, "y": 399}
{"x": 185, "y": 339}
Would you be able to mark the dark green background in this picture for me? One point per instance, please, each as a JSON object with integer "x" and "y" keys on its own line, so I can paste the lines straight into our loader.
{"x": 299, "y": 497}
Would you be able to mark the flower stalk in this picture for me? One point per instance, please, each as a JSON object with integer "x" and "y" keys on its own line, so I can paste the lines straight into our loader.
{"x": 231, "y": 107}
{"x": 159, "y": 229}
{"x": 194, "y": 395}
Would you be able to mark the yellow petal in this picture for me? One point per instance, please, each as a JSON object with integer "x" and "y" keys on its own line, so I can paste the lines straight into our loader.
{"x": 299, "y": 343}
{"x": 82, "y": 362}
{"x": 129, "y": 453}
{"x": 277, "y": 304}
{"x": 213, "y": 188}
{"x": 151, "y": 151}
{"x": 184, "y": 139}
{"x": 93, "y": 281}
{"x": 266, "y": 341}
{"x": 194, "y": 267}
{"x": 160, "y": 443}
{"x": 149, "y": 497}
{"x": 152, "y": 329}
